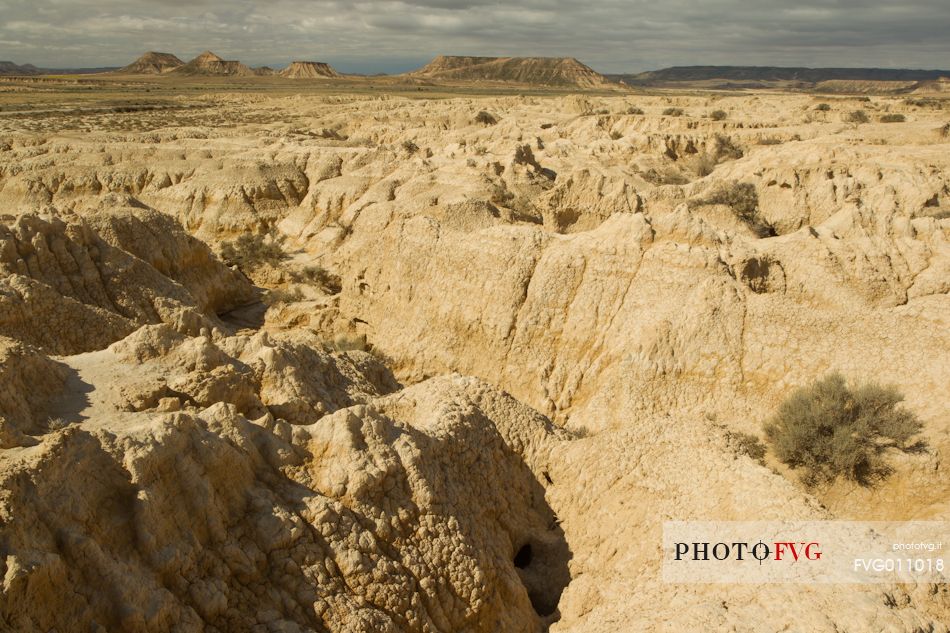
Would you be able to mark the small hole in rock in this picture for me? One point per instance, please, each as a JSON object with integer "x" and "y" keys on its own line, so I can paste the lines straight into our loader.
{"x": 523, "y": 557}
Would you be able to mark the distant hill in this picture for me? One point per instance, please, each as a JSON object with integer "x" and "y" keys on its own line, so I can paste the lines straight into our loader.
{"x": 209, "y": 64}
{"x": 545, "y": 71}
{"x": 152, "y": 63}
{"x": 771, "y": 74}
{"x": 9, "y": 68}
{"x": 308, "y": 70}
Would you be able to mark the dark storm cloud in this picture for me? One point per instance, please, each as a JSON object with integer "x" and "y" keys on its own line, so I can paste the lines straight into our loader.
{"x": 388, "y": 35}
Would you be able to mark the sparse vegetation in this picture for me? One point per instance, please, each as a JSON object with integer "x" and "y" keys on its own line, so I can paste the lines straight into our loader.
{"x": 746, "y": 444}
{"x": 830, "y": 430}
{"x": 485, "y": 118}
{"x": 410, "y": 147}
{"x": 616, "y": 135}
{"x": 250, "y": 251}
{"x": 944, "y": 131}
{"x": 722, "y": 148}
{"x": 893, "y": 118}
{"x": 319, "y": 276}
{"x": 743, "y": 199}
{"x": 823, "y": 107}
{"x": 673, "y": 112}
{"x": 664, "y": 176}
{"x": 283, "y": 295}
{"x": 770, "y": 140}
{"x": 718, "y": 115}
{"x": 634, "y": 110}
{"x": 857, "y": 116}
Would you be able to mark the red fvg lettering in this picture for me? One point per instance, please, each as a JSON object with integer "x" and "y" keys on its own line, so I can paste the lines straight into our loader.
{"x": 809, "y": 550}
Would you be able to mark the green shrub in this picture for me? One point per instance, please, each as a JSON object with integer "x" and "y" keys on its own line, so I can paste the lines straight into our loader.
{"x": 858, "y": 116}
{"x": 485, "y": 118}
{"x": 823, "y": 107}
{"x": 250, "y": 251}
{"x": 893, "y": 118}
{"x": 673, "y": 112}
{"x": 718, "y": 115}
{"x": 829, "y": 430}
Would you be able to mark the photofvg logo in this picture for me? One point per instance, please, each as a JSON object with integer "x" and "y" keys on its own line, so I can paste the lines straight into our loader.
{"x": 788, "y": 550}
{"x": 804, "y": 551}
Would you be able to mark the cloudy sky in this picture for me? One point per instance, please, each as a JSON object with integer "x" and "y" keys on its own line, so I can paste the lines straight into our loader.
{"x": 391, "y": 36}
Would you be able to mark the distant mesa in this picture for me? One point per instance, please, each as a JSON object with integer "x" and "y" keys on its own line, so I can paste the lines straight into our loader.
{"x": 209, "y": 64}
{"x": 308, "y": 70}
{"x": 152, "y": 63}
{"x": 545, "y": 71}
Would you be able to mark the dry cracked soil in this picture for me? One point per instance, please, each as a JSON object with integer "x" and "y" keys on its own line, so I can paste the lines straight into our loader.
{"x": 286, "y": 362}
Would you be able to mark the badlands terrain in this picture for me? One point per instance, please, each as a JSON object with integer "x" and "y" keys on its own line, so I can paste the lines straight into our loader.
{"x": 373, "y": 357}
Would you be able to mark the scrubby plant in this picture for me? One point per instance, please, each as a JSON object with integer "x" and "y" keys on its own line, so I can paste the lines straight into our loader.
{"x": 857, "y": 116}
{"x": 616, "y": 135}
{"x": 319, "y": 276}
{"x": 746, "y": 444}
{"x": 718, "y": 115}
{"x": 769, "y": 140}
{"x": 673, "y": 112}
{"x": 741, "y": 197}
{"x": 893, "y": 118}
{"x": 409, "y": 146}
{"x": 830, "y": 430}
{"x": 823, "y": 107}
{"x": 723, "y": 148}
{"x": 664, "y": 176}
{"x": 634, "y": 110}
{"x": 945, "y": 130}
{"x": 485, "y": 118}
{"x": 249, "y": 251}
{"x": 282, "y": 295}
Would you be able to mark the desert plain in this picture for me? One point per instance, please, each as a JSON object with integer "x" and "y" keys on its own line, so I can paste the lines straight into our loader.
{"x": 365, "y": 354}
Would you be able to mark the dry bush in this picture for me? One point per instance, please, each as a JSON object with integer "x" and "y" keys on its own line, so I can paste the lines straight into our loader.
{"x": 823, "y": 107}
{"x": 743, "y": 199}
{"x": 857, "y": 116}
{"x": 829, "y": 430}
{"x": 320, "y": 276}
{"x": 485, "y": 118}
{"x": 746, "y": 444}
{"x": 769, "y": 140}
{"x": 664, "y": 176}
{"x": 616, "y": 135}
{"x": 673, "y": 112}
{"x": 250, "y": 251}
{"x": 724, "y": 149}
{"x": 410, "y": 147}
{"x": 893, "y": 118}
{"x": 634, "y": 110}
{"x": 718, "y": 115}
{"x": 282, "y": 295}
{"x": 944, "y": 131}
{"x": 704, "y": 164}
